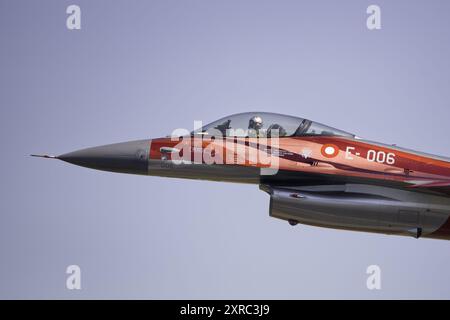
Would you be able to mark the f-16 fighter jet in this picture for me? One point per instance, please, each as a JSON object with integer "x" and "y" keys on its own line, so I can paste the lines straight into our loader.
{"x": 314, "y": 174}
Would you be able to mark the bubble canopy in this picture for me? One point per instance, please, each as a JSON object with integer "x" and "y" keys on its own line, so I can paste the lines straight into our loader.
{"x": 267, "y": 124}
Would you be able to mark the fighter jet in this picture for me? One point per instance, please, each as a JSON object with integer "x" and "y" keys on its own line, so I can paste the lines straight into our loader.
{"x": 314, "y": 174}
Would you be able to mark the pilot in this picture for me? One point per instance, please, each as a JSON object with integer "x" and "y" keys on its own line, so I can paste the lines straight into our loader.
{"x": 254, "y": 126}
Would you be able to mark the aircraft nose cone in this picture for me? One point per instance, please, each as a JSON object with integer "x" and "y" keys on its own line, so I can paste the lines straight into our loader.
{"x": 125, "y": 157}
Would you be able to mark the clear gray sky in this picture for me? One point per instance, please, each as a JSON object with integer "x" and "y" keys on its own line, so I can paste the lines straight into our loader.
{"x": 139, "y": 69}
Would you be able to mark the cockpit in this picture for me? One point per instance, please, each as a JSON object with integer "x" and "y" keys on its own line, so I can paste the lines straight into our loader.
{"x": 266, "y": 124}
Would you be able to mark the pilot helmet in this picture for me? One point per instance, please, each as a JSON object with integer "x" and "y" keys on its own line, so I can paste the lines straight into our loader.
{"x": 255, "y": 122}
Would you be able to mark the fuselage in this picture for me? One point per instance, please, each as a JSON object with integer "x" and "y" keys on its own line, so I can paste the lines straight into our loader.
{"x": 347, "y": 159}
{"x": 331, "y": 179}
{"x": 326, "y": 161}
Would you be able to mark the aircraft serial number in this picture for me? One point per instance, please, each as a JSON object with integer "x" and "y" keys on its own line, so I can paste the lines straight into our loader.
{"x": 372, "y": 156}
